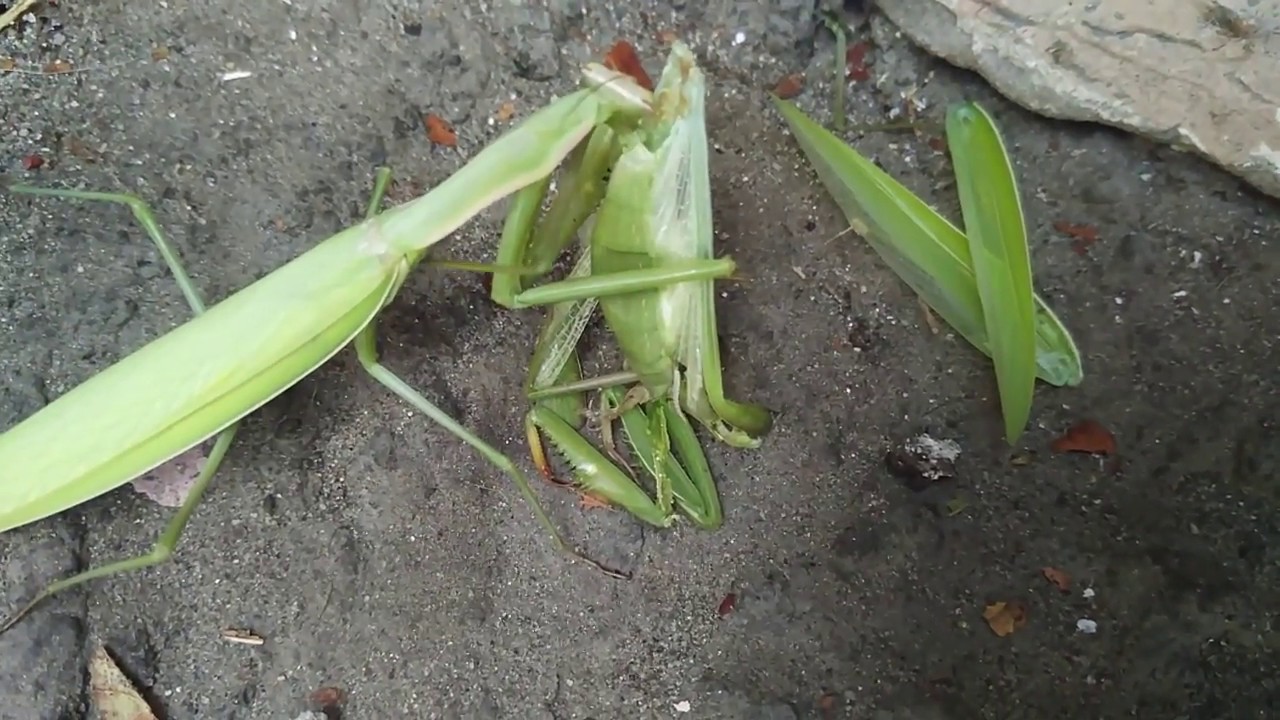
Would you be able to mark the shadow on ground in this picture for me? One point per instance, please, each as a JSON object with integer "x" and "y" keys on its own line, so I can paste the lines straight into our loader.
{"x": 376, "y": 553}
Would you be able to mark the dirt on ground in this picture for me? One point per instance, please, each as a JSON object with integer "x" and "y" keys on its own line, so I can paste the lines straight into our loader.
{"x": 375, "y": 552}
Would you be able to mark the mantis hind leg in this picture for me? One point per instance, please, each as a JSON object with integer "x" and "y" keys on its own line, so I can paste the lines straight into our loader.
{"x": 366, "y": 349}
{"x": 366, "y": 345}
{"x": 165, "y": 545}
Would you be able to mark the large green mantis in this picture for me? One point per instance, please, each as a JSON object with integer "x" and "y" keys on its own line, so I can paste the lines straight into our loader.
{"x": 654, "y": 216}
{"x": 200, "y": 379}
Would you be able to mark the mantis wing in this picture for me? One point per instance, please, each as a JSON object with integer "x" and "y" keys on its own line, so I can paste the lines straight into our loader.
{"x": 1001, "y": 263}
{"x": 923, "y": 247}
{"x": 193, "y": 382}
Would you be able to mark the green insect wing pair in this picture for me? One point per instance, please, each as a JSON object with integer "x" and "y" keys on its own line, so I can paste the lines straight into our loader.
{"x": 979, "y": 281}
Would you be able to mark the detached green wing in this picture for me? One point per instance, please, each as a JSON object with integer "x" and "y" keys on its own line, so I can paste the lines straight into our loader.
{"x": 193, "y": 382}
{"x": 1001, "y": 263}
{"x": 928, "y": 252}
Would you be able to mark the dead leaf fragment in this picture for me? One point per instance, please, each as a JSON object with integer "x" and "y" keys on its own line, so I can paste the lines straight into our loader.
{"x": 438, "y": 131}
{"x": 855, "y": 60}
{"x": 57, "y": 67}
{"x": 32, "y": 162}
{"x": 1005, "y": 617}
{"x": 1059, "y": 578}
{"x": 505, "y": 111}
{"x": 789, "y": 86}
{"x": 1086, "y": 436}
{"x": 112, "y": 692}
{"x": 160, "y": 52}
{"x": 727, "y": 604}
{"x": 591, "y": 501}
{"x": 327, "y": 698}
{"x": 827, "y": 704}
{"x": 622, "y": 58}
{"x": 1082, "y": 236}
{"x": 7, "y": 64}
{"x": 171, "y": 483}
{"x": 243, "y": 637}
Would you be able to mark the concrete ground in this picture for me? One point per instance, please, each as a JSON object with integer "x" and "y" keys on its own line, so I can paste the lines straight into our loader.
{"x": 376, "y": 553}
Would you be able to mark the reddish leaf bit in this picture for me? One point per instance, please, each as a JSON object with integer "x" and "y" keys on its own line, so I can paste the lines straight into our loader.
{"x": 827, "y": 704}
{"x": 1060, "y": 579}
{"x": 727, "y": 604}
{"x": 855, "y": 60}
{"x": 438, "y": 131}
{"x": 1086, "y": 436}
{"x": 591, "y": 501}
{"x": 789, "y": 86}
{"x": 1082, "y": 236}
{"x": 32, "y": 162}
{"x": 622, "y": 58}
{"x": 328, "y": 700}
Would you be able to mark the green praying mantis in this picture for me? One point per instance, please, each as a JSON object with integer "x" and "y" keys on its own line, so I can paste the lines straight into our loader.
{"x": 200, "y": 379}
{"x": 653, "y": 214}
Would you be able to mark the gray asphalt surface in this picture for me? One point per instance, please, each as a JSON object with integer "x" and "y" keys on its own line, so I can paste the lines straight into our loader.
{"x": 376, "y": 553}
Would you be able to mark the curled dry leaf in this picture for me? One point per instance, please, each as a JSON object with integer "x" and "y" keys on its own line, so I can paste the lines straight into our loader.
{"x": 622, "y": 58}
{"x": 1082, "y": 236}
{"x": 169, "y": 484}
{"x": 589, "y": 501}
{"x": 327, "y": 698}
{"x": 112, "y": 693}
{"x": 727, "y": 604}
{"x": 1060, "y": 579}
{"x": 1005, "y": 617}
{"x": 1086, "y": 436}
{"x": 789, "y": 86}
{"x": 438, "y": 131}
{"x": 855, "y": 59}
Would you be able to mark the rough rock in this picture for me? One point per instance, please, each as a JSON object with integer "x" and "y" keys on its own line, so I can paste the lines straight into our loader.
{"x": 1197, "y": 76}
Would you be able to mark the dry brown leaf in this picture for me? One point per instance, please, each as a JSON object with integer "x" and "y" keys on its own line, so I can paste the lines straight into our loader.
{"x": 1005, "y": 617}
{"x": 1086, "y": 436}
{"x": 57, "y": 67}
{"x": 327, "y": 698}
{"x": 622, "y": 58}
{"x": 112, "y": 693}
{"x": 855, "y": 60}
{"x": 438, "y": 131}
{"x": 505, "y": 111}
{"x": 727, "y": 604}
{"x": 789, "y": 86}
{"x": 1082, "y": 236}
{"x": 1060, "y": 579}
{"x": 590, "y": 501}
{"x": 7, "y": 64}
{"x": 1020, "y": 459}
{"x": 160, "y": 52}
